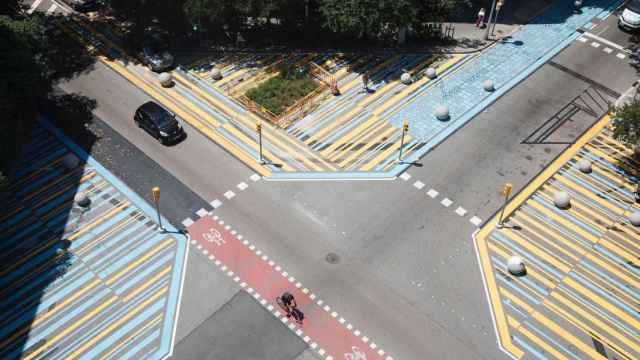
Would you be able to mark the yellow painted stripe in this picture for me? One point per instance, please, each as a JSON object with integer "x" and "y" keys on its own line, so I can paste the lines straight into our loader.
{"x": 602, "y": 302}
{"x": 366, "y": 147}
{"x": 539, "y": 342}
{"x": 117, "y": 324}
{"x": 618, "y": 162}
{"x": 99, "y": 221}
{"x": 595, "y": 319}
{"x": 385, "y": 154}
{"x": 599, "y": 281}
{"x": 220, "y": 140}
{"x": 533, "y": 271}
{"x": 65, "y": 205}
{"x": 232, "y": 148}
{"x": 71, "y": 327}
{"x": 619, "y": 271}
{"x": 255, "y": 146}
{"x": 267, "y": 131}
{"x": 614, "y": 177}
{"x": 147, "y": 283}
{"x": 36, "y": 173}
{"x": 361, "y": 140}
{"x": 629, "y": 236}
{"x": 153, "y": 322}
{"x": 578, "y": 230}
{"x": 112, "y": 279}
{"x": 61, "y": 191}
{"x": 537, "y": 251}
{"x": 361, "y": 130}
{"x": 578, "y": 210}
{"x": 589, "y": 194}
{"x": 516, "y": 300}
{"x": 494, "y": 298}
{"x": 90, "y": 244}
{"x": 541, "y": 238}
{"x": 587, "y": 330}
{"x": 334, "y": 125}
{"x": 50, "y": 312}
{"x": 415, "y": 86}
{"x": 232, "y": 76}
{"x": 373, "y": 70}
{"x": 534, "y": 185}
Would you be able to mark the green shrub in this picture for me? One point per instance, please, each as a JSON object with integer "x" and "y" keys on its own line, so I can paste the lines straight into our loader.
{"x": 282, "y": 91}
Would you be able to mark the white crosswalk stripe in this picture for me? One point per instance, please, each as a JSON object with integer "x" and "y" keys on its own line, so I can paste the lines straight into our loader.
{"x": 34, "y": 6}
{"x": 52, "y": 9}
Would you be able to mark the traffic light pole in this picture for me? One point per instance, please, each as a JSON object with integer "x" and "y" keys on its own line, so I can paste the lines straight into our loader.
{"x": 405, "y": 128}
{"x": 486, "y": 33}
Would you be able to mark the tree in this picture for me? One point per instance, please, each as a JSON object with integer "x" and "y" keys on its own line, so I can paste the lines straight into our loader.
{"x": 23, "y": 74}
{"x": 626, "y": 123}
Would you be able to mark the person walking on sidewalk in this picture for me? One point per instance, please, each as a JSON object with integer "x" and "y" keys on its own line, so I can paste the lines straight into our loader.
{"x": 480, "y": 20}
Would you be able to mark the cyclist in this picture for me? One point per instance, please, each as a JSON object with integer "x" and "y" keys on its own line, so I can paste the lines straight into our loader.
{"x": 291, "y": 307}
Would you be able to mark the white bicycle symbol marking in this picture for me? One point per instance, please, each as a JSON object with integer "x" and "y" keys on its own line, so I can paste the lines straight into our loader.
{"x": 214, "y": 236}
{"x": 357, "y": 354}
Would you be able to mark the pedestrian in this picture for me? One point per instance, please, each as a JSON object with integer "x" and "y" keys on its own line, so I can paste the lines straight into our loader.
{"x": 291, "y": 307}
{"x": 480, "y": 20}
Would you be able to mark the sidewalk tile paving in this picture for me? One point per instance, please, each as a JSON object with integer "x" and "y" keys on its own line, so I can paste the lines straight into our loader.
{"x": 83, "y": 283}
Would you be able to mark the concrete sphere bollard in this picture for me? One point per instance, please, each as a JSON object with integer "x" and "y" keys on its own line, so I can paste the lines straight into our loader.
{"x": 165, "y": 79}
{"x": 515, "y": 266}
{"x": 585, "y": 166}
{"x": 81, "y": 199}
{"x": 70, "y": 161}
{"x": 634, "y": 218}
{"x": 431, "y": 73}
{"x": 216, "y": 74}
{"x": 562, "y": 199}
{"x": 442, "y": 112}
{"x": 488, "y": 85}
{"x": 406, "y": 78}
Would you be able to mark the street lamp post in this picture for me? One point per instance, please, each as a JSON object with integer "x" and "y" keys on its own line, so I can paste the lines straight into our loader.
{"x": 156, "y": 199}
{"x": 259, "y": 130}
{"x": 506, "y": 191}
{"x": 405, "y": 129}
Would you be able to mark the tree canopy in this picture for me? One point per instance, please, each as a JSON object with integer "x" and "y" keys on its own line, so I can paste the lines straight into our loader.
{"x": 626, "y": 123}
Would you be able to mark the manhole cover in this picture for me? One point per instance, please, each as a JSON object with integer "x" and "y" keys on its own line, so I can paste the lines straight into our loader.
{"x": 332, "y": 258}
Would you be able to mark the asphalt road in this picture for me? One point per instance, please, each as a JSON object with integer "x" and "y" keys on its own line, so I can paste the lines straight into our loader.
{"x": 407, "y": 273}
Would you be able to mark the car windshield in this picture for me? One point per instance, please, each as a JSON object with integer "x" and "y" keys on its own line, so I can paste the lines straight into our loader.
{"x": 164, "y": 120}
{"x": 634, "y": 5}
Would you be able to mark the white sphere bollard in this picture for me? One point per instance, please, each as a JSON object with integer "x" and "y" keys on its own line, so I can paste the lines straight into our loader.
{"x": 431, "y": 73}
{"x": 442, "y": 112}
{"x": 488, "y": 85}
{"x": 216, "y": 74}
{"x": 406, "y": 78}
{"x": 562, "y": 199}
{"x": 82, "y": 199}
{"x": 634, "y": 218}
{"x": 585, "y": 166}
{"x": 165, "y": 79}
{"x": 70, "y": 161}
{"x": 515, "y": 266}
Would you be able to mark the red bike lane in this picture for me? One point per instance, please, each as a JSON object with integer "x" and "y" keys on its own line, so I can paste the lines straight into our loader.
{"x": 323, "y": 329}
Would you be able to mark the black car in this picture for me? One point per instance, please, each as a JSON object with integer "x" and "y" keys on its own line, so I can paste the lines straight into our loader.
{"x": 158, "y": 122}
{"x": 155, "y": 50}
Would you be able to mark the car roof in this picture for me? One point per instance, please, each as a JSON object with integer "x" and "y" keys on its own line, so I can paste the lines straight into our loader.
{"x": 154, "y": 110}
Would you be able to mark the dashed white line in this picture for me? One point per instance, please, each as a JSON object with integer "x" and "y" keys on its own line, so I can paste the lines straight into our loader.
{"x": 255, "y": 177}
{"x": 582, "y": 39}
{"x": 229, "y": 194}
{"x": 216, "y": 203}
{"x": 608, "y": 50}
{"x": 418, "y": 185}
{"x": 432, "y": 193}
{"x": 242, "y": 186}
{"x": 405, "y": 176}
{"x": 446, "y": 202}
{"x": 202, "y": 212}
{"x": 621, "y": 55}
{"x": 461, "y": 211}
{"x": 595, "y": 44}
{"x": 475, "y": 221}
{"x": 187, "y": 222}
